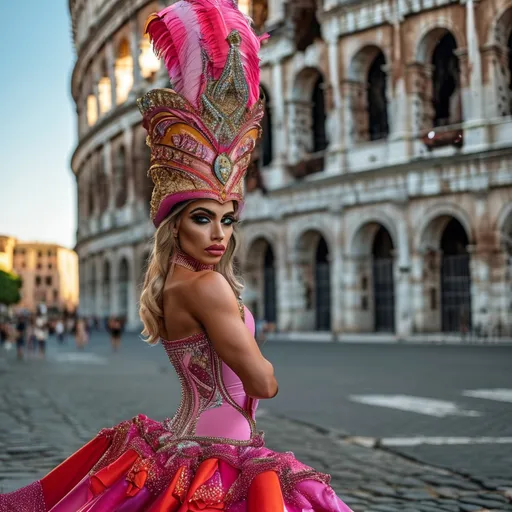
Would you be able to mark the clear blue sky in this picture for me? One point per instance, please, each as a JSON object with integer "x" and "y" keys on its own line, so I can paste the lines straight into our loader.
{"x": 38, "y": 122}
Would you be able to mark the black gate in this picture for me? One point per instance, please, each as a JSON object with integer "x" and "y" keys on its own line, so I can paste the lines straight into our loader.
{"x": 384, "y": 295}
{"x": 455, "y": 293}
{"x": 323, "y": 288}
{"x": 269, "y": 287}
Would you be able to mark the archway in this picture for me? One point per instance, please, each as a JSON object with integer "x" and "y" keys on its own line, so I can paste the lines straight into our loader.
{"x": 383, "y": 282}
{"x": 367, "y": 94}
{"x": 378, "y": 127}
{"x": 446, "y": 82}
{"x": 123, "y": 71}
{"x": 269, "y": 286}
{"x": 372, "y": 262}
{"x": 261, "y": 272}
{"x": 123, "y": 283}
{"x": 106, "y": 289}
{"x": 121, "y": 185}
{"x": 455, "y": 279}
{"x": 322, "y": 286}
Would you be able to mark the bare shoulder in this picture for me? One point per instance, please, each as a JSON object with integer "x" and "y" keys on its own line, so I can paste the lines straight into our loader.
{"x": 212, "y": 290}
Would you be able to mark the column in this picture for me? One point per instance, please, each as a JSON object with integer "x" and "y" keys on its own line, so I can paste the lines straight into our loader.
{"x": 402, "y": 270}
{"x": 474, "y": 108}
{"x": 135, "y": 49}
{"x": 336, "y": 161}
{"x": 111, "y": 65}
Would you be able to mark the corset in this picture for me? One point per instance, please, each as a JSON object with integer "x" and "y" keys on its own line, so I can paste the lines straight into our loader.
{"x": 214, "y": 407}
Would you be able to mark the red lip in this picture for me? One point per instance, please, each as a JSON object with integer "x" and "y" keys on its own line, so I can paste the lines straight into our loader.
{"x": 215, "y": 248}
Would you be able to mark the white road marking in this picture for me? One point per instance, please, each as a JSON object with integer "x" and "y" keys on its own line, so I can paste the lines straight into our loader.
{"x": 72, "y": 357}
{"x": 420, "y": 405}
{"x": 440, "y": 441}
{"x": 500, "y": 395}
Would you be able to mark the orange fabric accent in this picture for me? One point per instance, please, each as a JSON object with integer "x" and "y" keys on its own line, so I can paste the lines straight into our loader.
{"x": 204, "y": 472}
{"x": 265, "y": 493}
{"x": 107, "y": 476}
{"x": 168, "y": 501}
{"x": 61, "y": 480}
{"x": 136, "y": 482}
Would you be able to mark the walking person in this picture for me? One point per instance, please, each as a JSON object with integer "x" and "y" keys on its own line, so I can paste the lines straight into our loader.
{"x": 116, "y": 328}
{"x": 210, "y": 456}
{"x": 40, "y": 334}
{"x": 21, "y": 336}
{"x": 81, "y": 335}
{"x": 59, "y": 330}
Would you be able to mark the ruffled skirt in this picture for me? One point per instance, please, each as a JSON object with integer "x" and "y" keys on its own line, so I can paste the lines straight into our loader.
{"x": 138, "y": 466}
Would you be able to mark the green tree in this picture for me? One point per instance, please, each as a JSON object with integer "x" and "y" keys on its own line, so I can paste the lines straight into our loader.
{"x": 10, "y": 285}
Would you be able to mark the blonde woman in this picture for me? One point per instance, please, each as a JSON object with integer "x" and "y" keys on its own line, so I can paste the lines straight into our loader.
{"x": 210, "y": 455}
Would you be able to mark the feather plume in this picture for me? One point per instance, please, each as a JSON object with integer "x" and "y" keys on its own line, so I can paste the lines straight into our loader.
{"x": 189, "y": 31}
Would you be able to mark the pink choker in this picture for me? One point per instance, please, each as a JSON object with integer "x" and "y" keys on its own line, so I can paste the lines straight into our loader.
{"x": 184, "y": 260}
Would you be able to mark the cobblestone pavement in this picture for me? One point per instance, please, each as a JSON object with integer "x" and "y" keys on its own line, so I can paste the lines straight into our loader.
{"x": 50, "y": 408}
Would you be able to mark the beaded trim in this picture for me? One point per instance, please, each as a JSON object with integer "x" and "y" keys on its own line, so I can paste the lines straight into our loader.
{"x": 186, "y": 261}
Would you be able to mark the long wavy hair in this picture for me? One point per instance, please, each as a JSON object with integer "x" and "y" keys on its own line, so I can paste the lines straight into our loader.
{"x": 160, "y": 263}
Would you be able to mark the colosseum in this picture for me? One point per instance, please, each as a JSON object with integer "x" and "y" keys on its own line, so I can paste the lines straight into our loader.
{"x": 380, "y": 196}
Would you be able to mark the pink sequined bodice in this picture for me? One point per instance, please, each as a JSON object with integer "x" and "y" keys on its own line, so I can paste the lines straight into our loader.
{"x": 214, "y": 405}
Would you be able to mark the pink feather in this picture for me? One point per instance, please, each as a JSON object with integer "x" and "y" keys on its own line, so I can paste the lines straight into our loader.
{"x": 182, "y": 32}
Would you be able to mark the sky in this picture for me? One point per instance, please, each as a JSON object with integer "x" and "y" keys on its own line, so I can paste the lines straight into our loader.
{"x": 38, "y": 128}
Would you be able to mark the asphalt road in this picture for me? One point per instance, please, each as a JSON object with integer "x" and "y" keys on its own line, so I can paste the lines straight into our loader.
{"x": 328, "y": 385}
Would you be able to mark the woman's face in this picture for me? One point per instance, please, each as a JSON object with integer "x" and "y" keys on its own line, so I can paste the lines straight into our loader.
{"x": 205, "y": 228}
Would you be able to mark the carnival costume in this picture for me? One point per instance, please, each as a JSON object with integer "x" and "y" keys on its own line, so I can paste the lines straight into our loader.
{"x": 209, "y": 456}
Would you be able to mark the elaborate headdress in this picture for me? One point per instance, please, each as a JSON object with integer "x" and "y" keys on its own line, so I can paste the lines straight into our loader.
{"x": 202, "y": 131}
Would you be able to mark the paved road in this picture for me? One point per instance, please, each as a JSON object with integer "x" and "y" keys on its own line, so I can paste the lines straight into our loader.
{"x": 49, "y": 408}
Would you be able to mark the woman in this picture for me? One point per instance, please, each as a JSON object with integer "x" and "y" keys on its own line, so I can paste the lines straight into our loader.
{"x": 209, "y": 456}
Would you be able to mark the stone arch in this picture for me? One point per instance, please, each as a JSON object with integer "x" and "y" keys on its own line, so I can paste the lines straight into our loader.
{"x": 500, "y": 25}
{"x": 438, "y": 67}
{"x": 360, "y": 238}
{"x": 429, "y": 37}
{"x": 308, "y": 113}
{"x": 261, "y": 277}
{"x": 106, "y": 286}
{"x": 123, "y": 70}
{"x": 367, "y": 94}
{"x": 123, "y": 286}
{"x": 428, "y": 234}
{"x": 372, "y": 256}
{"x": 120, "y": 174}
{"x": 104, "y": 88}
{"x": 312, "y": 258}
{"x": 442, "y": 243}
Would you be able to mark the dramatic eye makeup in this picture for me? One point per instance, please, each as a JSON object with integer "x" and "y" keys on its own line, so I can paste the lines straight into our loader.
{"x": 204, "y": 216}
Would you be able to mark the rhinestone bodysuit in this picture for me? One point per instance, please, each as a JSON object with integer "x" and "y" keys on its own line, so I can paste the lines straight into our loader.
{"x": 214, "y": 407}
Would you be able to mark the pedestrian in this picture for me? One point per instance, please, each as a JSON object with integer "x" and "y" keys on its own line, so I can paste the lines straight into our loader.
{"x": 81, "y": 336}
{"x": 59, "y": 330}
{"x": 115, "y": 328}
{"x": 21, "y": 333}
{"x": 210, "y": 456}
{"x": 41, "y": 334}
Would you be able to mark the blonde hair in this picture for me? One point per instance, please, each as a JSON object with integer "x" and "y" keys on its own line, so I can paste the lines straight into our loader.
{"x": 159, "y": 266}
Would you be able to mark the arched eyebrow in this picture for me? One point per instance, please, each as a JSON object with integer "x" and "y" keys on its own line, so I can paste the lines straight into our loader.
{"x": 210, "y": 212}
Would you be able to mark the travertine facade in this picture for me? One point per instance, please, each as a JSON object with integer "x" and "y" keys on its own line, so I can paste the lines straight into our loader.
{"x": 386, "y": 164}
{"x": 49, "y": 273}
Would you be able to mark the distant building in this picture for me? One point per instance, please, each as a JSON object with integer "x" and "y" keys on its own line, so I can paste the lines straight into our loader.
{"x": 49, "y": 273}
{"x": 382, "y": 187}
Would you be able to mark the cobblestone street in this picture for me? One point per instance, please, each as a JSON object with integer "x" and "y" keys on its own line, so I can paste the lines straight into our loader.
{"x": 50, "y": 408}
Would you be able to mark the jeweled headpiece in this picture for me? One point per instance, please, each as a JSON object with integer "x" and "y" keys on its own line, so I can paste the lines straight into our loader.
{"x": 203, "y": 130}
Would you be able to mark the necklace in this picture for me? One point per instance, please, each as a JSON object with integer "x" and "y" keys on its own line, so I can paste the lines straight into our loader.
{"x": 186, "y": 261}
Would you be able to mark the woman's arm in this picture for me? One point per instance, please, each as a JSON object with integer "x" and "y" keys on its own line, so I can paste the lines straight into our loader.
{"x": 213, "y": 303}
